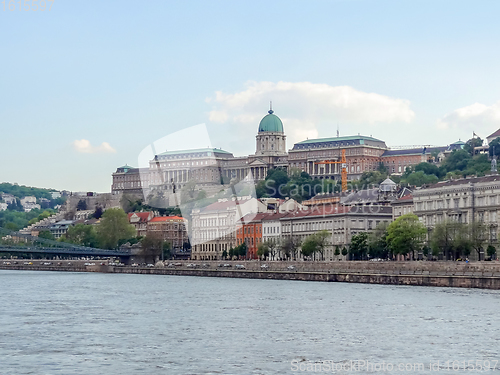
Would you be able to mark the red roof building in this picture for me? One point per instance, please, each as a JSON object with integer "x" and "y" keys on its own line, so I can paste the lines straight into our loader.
{"x": 140, "y": 221}
{"x": 172, "y": 229}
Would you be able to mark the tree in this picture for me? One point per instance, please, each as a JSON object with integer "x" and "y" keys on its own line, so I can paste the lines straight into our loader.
{"x": 82, "y": 205}
{"x": 166, "y": 250}
{"x": 344, "y": 251}
{"x": 405, "y": 235}
{"x": 263, "y": 250}
{"x": 377, "y": 242}
{"x": 456, "y": 240}
{"x": 224, "y": 254}
{"x": 315, "y": 242}
{"x": 337, "y": 250}
{"x": 420, "y": 178}
{"x": 231, "y": 253}
{"x": 240, "y": 251}
{"x": 97, "y": 213}
{"x": 457, "y": 160}
{"x": 113, "y": 227}
{"x": 478, "y": 235}
{"x": 494, "y": 145}
{"x": 382, "y": 169}
{"x": 371, "y": 178}
{"x": 471, "y": 143}
{"x": 81, "y": 234}
{"x": 272, "y": 246}
{"x": 290, "y": 247}
{"x": 151, "y": 247}
{"x": 359, "y": 246}
{"x": 491, "y": 251}
{"x": 428, "y": 169}
{"x": 46, "y": 235}
{"x": 308, "y": 247}
{"x": 442, "y": 239}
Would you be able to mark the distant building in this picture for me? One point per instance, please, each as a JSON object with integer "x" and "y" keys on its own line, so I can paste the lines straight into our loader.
{"x": 140, "y": 221}
{"x": 493, "y": 136}
{"x": 55, "y": 194}
{"x": 83, "y": 214}
{"x": 3, "y": 206}
{"x": 464, "y": 200}
{"x": 29, "y": 199}
{"x": 214, "y": 227}
{"x": 60, "y": 228}
{"x": 341, "y": 221}
{"x": 8, "y": 198}
{"x": 250, "y": 232}
{"x": 172, "y": 229}
{"x": 402, "y": 206}
{"x": 29, "y": 203}
{"x": 127, "y": 179}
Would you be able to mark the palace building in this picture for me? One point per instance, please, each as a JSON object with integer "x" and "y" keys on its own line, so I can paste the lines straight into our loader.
{"x": 210, "y": 168}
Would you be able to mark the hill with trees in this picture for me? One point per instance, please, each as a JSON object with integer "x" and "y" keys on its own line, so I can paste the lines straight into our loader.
{"x": 14, "y": 218}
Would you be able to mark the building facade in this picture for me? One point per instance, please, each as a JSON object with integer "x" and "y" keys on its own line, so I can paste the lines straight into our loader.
{"x": 214, "y": 228}
{"x": 140, "y": 221}
{"x": 172, "y": 229}
{"x": 464, "y": 200}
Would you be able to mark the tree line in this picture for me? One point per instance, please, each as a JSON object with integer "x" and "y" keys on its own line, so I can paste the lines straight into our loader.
{"x": 404, "y": 238}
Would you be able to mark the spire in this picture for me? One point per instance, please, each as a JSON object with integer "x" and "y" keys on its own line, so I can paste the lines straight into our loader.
{"x": 270, "y": 108}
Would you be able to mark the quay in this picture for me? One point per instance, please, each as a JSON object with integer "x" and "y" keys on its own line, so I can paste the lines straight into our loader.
{"x": 484, "y": 275}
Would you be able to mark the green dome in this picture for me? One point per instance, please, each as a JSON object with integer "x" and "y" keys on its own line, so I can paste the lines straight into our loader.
{"x": 271, "y": 123}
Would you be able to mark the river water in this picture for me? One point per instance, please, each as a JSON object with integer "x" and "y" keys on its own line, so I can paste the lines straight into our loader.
{"x": 93, "y": 323}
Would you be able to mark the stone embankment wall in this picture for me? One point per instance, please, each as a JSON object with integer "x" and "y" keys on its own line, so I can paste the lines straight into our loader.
{"x": 444, "y": 274}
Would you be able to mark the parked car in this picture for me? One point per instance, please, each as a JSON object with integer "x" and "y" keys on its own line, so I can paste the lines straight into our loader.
{"x": 192, "y": 265}
{"x": 291, "y": 268}
{"x": 264, "y": 267}
{"x": 226, "y": 265}
{"x": 240, "y": 266}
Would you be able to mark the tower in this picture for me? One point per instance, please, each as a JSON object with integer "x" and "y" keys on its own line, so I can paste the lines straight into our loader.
{"x": 271, "y": 138}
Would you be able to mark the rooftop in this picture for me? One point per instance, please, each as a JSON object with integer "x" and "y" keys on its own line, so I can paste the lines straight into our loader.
{"x": 339, "y": 139}
{"x": 271, "y": 123}
{"x": 196, "y": 151}
{"x": 161, "y": 219}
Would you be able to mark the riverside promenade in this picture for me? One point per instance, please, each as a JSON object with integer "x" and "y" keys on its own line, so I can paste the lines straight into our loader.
{"x": 485, "y": 275}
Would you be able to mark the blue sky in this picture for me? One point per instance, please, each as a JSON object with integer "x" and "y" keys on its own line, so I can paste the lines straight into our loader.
{"x": 128, "y": 73}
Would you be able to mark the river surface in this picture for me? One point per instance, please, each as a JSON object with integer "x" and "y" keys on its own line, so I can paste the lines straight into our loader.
{"x": 93, "y": 323}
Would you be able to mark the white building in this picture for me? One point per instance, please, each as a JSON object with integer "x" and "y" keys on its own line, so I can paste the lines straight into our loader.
{"x": 8, "y": 198}
{"x": 464, "y": 200}
{"x": 214, "y": 227}
{"x": 29, "y": 199}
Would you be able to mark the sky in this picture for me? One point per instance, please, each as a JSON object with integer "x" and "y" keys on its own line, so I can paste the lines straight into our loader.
{"x": 88, "y": 85}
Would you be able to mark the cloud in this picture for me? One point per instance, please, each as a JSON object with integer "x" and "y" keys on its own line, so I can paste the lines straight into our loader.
{"x": 472, "y": 118}
{"x": 84, "y": 146}
{"x": 310, "y": 109}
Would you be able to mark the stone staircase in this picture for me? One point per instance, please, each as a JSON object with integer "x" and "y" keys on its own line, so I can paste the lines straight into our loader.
{"x": 44, "y": 223}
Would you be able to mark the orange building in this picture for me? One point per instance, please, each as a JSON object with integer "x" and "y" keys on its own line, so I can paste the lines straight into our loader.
{"x": 250, "y": 232}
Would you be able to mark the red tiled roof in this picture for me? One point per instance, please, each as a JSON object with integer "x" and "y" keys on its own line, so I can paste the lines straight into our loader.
{"x": 405, "y": 198}
{"x": 165, "y": 218}
{"x": 143, "y": 216}
{"x": 254, "y": 217}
